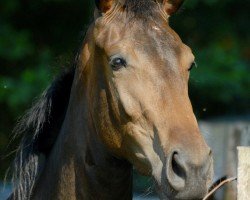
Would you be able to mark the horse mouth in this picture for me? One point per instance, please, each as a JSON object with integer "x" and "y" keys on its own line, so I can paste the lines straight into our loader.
{"x": 171, "y": 194}
{"x": 195, "y": 186}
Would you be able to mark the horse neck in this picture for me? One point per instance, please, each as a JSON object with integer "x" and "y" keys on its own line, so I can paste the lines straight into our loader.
{"x": 79, "y": 166}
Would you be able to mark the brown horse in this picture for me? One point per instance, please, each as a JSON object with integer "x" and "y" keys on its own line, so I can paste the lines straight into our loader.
{"x": 124, "y": 104}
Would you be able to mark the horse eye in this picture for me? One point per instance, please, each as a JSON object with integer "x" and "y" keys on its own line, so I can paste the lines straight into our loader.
{"x": 117, "y": 63}
{"x": 192, "y": 66}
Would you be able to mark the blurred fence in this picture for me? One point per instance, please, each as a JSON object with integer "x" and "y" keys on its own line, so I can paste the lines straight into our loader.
{"x": 223, "y": 136}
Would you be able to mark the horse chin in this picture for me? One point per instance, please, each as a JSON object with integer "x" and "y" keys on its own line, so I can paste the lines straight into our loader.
{"x": 173, "y": 195}
{"x": 195, "y": 186}
{"x": 166, "y": 192}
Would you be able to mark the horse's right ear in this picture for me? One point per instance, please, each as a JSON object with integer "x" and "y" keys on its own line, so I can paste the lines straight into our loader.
{"x": 171, "y": 6}
{"x": 104, "y": 5}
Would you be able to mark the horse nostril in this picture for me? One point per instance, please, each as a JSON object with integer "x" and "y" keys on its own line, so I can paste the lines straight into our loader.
{"x": 210, "y": 153}
{"x": 207, "y": 165}
{"x": 188, "y": 175}
{"x": 177, "y": 166}
{"x": 176, "y": 173}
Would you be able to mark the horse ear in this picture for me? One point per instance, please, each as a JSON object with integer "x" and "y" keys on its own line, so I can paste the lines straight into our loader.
{"x": 104, "y": 5}
{"x": 171, "y": 6}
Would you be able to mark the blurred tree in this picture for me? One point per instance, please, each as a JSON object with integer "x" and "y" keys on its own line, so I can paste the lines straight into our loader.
{"x": 218, "y": 33}
{"x": 35, "y": 38}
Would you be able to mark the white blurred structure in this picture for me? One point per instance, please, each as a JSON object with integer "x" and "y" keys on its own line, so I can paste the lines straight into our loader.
{"x": 223, "y": 136}
{"x": 243, "y": 184}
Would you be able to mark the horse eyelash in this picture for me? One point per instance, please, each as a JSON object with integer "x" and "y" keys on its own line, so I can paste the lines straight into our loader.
{"x": 194, "y": 64}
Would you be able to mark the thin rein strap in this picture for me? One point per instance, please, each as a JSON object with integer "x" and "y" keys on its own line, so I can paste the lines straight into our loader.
{"x": 218, "y": 186}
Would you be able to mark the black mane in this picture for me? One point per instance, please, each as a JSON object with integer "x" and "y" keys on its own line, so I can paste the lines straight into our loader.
{"x": 39, "y": 128}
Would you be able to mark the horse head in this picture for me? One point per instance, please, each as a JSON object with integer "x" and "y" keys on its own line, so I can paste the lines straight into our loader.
{"x": 138, "y": 95}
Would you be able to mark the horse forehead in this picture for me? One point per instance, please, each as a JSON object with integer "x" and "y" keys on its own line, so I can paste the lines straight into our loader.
{"x": 158, "y": 43}
{"x": 126, "y": 29}
{"x": 155, "y": 39}
{"x": 153, "y": 34}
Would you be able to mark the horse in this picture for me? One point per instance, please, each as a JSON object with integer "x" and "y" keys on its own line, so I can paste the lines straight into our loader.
{"x": 123, "y": 105}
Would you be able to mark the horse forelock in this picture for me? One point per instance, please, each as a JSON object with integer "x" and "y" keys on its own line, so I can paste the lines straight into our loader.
{"x": 141, "y": 8}
{"x": 39, "y": 128}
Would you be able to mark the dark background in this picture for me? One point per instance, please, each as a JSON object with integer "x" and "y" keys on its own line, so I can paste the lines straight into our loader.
{"x": 38, "y": 38}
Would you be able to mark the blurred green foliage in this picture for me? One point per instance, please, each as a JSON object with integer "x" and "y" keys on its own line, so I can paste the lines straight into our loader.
{"x": 218, "y": 33}
{"x": 38, "y": 36}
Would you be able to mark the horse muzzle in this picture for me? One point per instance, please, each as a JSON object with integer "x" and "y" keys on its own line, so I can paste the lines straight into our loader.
{"x": 184, "y": 178}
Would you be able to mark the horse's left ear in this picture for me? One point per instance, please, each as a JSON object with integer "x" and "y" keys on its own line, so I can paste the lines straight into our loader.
{"x": 104, "y": 5}
{"x": 171, "y": 6}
